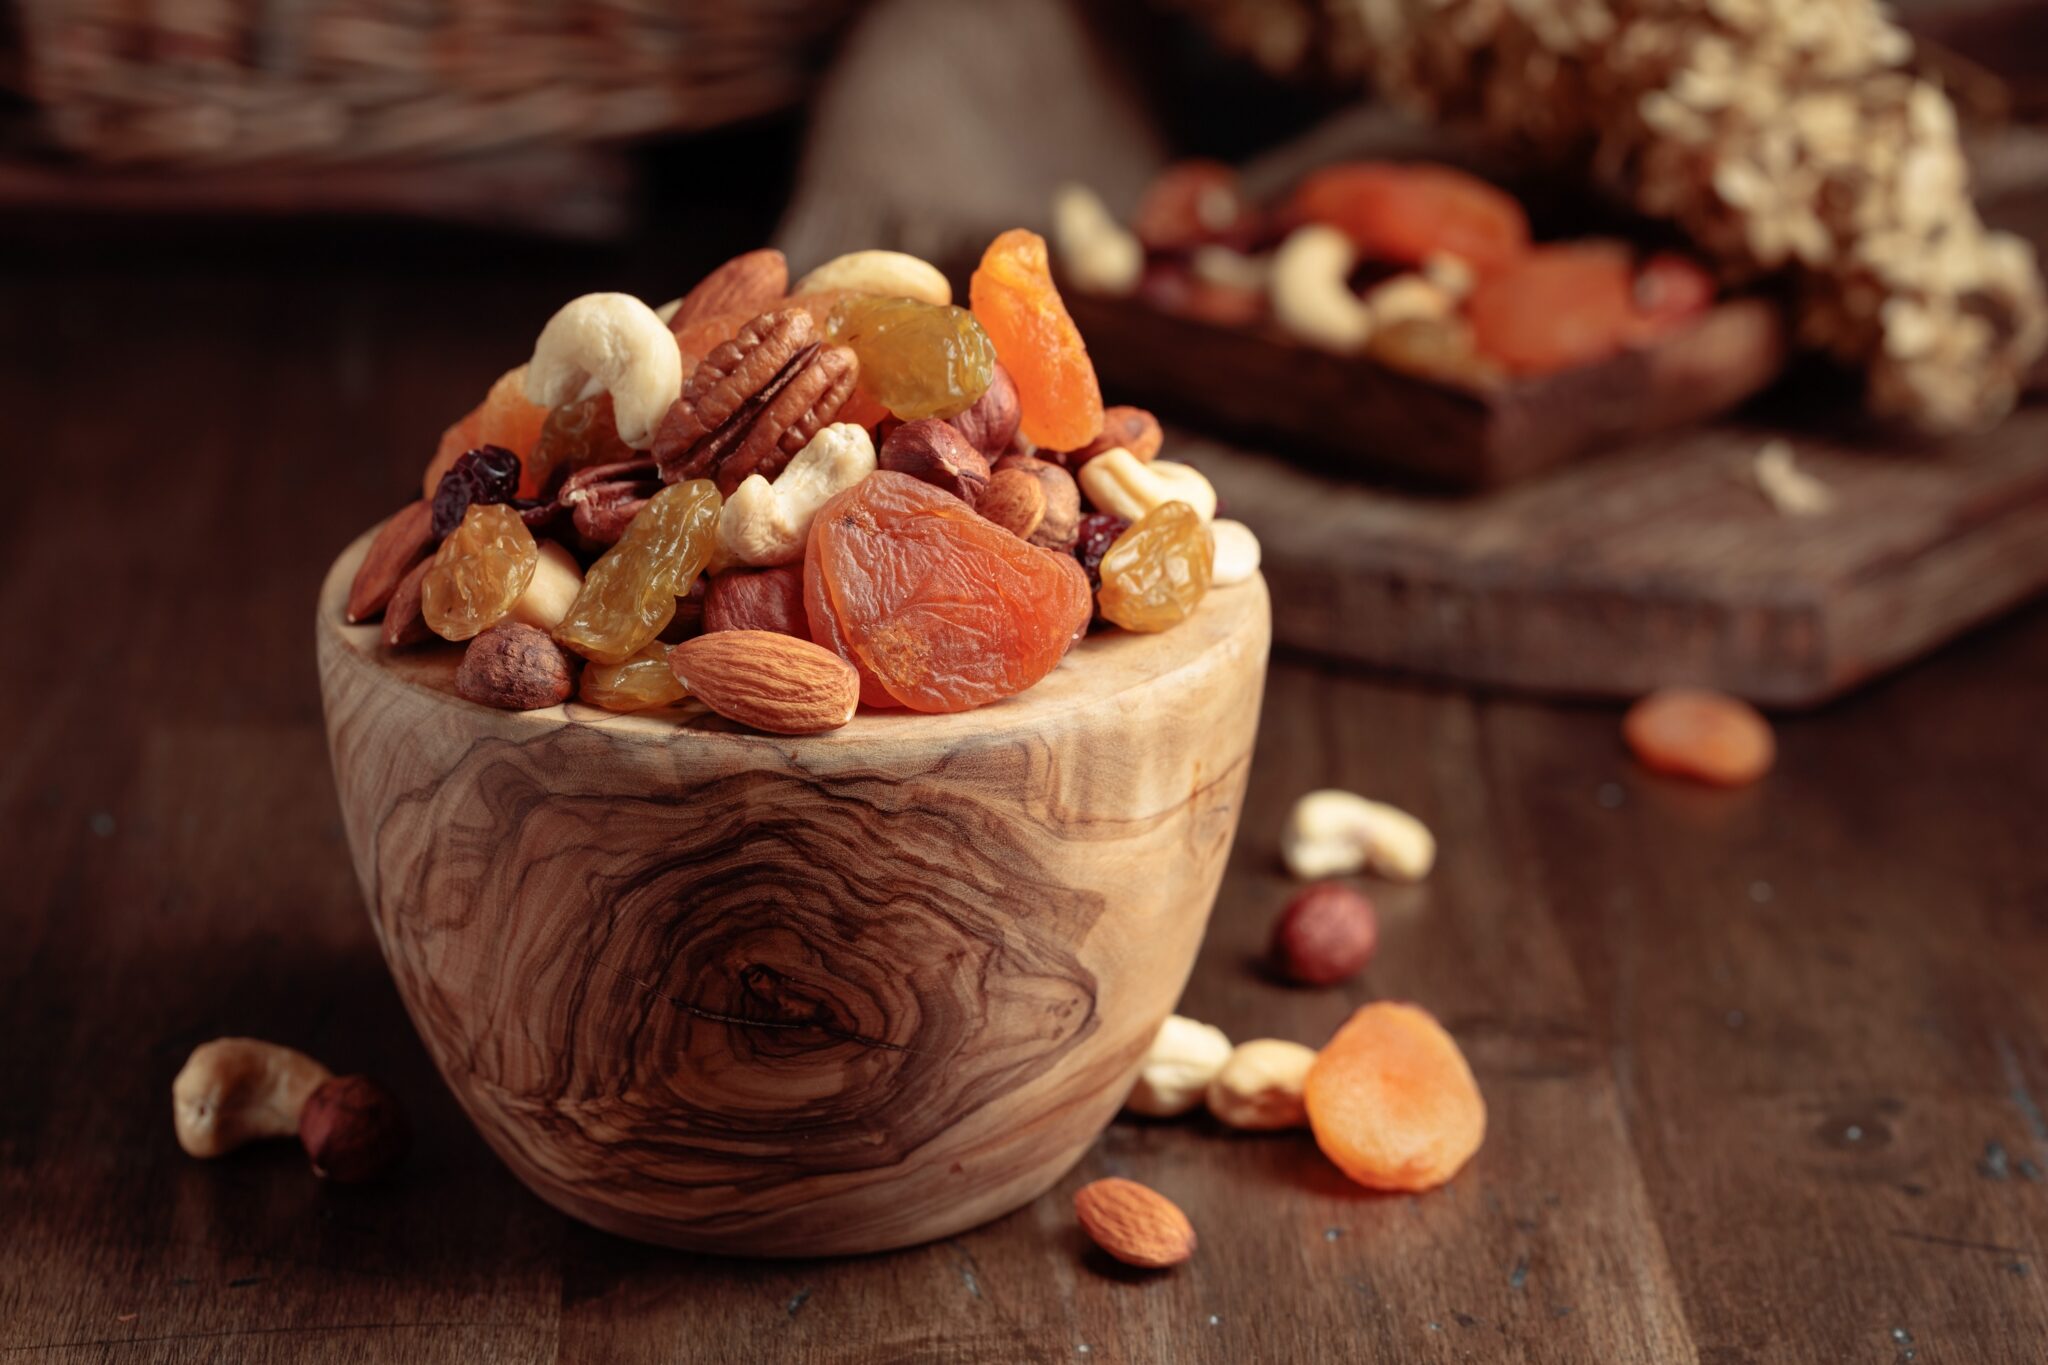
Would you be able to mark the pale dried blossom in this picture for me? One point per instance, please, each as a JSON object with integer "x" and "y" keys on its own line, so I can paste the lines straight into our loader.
{"x": 1782, "y": 137}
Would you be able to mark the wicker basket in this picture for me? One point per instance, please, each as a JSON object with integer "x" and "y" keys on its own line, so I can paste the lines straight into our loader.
{"x": 226, "y": 82}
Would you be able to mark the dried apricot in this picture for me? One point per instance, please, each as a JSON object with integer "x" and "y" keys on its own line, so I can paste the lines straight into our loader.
{"x": 504, "y": 419}
{"x": 638, "y": 684}
{"x": 630, "y": 594}
{"x": 1705, "y": 735}
{"x": 937, "y": 608}
{"x": 1017, "y": 304}
{"x": 917, "y": 359}
{"x": 1157, "y": 572}
{"x": 1556, "y": 308}
{"x": 480, "y": 570}
{"x": 1405, "y": 213}
{"x": 1392, "y": 1101}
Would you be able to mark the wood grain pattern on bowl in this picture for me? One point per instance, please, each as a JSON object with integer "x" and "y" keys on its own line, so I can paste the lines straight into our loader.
{"x": 736, "y": 992}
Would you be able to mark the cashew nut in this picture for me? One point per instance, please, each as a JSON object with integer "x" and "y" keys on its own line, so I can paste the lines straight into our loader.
{"x": 557, "y": 578}
{"x": 1312, "y": 295}
{"x": 1184, "y": 1058}
{"x": 1407, "y": 298}
{"x": 1449, "y": 272}
{"x": 1096, "y": 252}
{"x": 232, "y": 1090}
{"x": 1119, "y": 482}
{"x": 1259, "y": 1087}
{"x": 1330, "y": 833}
{"x": 891, "y": 274}
{"x": 1236, "y": 552}
{"x": 1232, "y": 269}
{"x": 615, "y": 343}
{"x": 764, "y": 524}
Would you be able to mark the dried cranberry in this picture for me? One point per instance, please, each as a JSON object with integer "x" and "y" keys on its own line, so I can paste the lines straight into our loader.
{"x": 486, "y": 474}
{"x": 1098, "y": 531}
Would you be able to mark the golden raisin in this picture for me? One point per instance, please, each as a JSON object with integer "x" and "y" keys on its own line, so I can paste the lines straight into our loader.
{"x": 917, "y": 359}
{"x": 640, "y": 683}
{"x": 1157, "y": 572}
{"x": 630, "y": 594}
{"x": 480, "y": 570}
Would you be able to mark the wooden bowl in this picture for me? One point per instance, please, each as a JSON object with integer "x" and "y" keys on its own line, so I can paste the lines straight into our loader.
{"x": 767, "y": 996}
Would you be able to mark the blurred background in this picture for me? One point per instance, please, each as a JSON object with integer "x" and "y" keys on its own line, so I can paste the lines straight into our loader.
{"x": 342, "y": 221}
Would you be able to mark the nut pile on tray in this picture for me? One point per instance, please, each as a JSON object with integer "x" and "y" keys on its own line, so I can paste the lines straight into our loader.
{"x": 1420, "y": 267}
{"x": 1781, "y": 137}
{"x": 785, "y": 501}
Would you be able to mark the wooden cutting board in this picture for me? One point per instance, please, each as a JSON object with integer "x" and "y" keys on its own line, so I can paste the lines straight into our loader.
{"x": 1658, "y": 564}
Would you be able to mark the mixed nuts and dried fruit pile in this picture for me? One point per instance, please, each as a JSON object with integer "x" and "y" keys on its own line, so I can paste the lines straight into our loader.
{"x": 1420, "y": 267}
{"x": 785, "y": 501}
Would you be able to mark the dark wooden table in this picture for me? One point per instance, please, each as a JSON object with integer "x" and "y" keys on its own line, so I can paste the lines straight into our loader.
{"x": 1767, "y": 1070}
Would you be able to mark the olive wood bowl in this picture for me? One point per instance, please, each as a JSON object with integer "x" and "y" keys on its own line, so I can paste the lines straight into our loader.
{"x": 768, "y": 996}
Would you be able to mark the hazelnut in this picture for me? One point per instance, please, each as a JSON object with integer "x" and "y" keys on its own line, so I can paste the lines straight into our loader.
{"x": 515, "y": 667}
{"x": 1014, "y": 500}
{"x": 1061, "y": 524}
{"x": 1326, "y": 934}
{"x": 932, "y": 450}
{"x": 763, "y": 599}
{"x": 1134, "y": 429}
{"x": 991, "y": 420}
{"x": 353, "y": 1130}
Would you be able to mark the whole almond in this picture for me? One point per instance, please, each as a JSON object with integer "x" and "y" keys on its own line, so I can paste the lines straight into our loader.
{"x": 402, "y": 542}
{"x": 515, "y": 667}
{"x": 762, "y": 599}
{"x": 772, "y": 682}
{"x": 1015, "y": 501}
{"x": 1137, "y": 1225}
{"x": 1326, "y": 934}
{"x": 753, "y": 282}
{"x": 404, "y": 622}
{"x": 1061, "y": 525}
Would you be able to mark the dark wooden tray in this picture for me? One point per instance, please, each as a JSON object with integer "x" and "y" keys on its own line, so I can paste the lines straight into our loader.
{"x": 1360, "y": 416}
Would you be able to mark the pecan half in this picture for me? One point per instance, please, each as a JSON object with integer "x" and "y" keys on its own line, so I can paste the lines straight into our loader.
{"x": 603, "y": 499}
{"x": 754, "y": 402}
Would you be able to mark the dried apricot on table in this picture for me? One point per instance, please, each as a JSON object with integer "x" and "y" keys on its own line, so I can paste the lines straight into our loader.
{"x": 916, "y": 359}
{"x": 503, "y": 419}
{"x": 1392, "y": 1101}
{"x": 1705, "y": 735}
{"x": 1158, "y": 571}
{"x": 1671, "y": 290}
{"x": 1406, "y": 213}
{"x": 1556, "y": 308}
{"x": 630, "y": 594}
{"x": 481, "y": 569}
{"x": 939, "y": 609}
{"x": 1020, "y": 309}
{"x": 638, "y": 684}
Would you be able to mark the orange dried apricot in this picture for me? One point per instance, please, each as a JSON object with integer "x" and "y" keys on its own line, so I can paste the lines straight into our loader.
{"x": 504, "y": 418}
{"x": 1018, "y": 306}
{"x": 1556, "y": 308}
{"x": 1705, "y": 735}
{"x": 937, "y": 608}
{"x": 1404, "y": 213}
{"x": 1392, "y": 1102}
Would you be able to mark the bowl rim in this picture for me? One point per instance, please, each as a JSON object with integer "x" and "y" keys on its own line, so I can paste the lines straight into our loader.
{"x": 1104, "y": 669}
